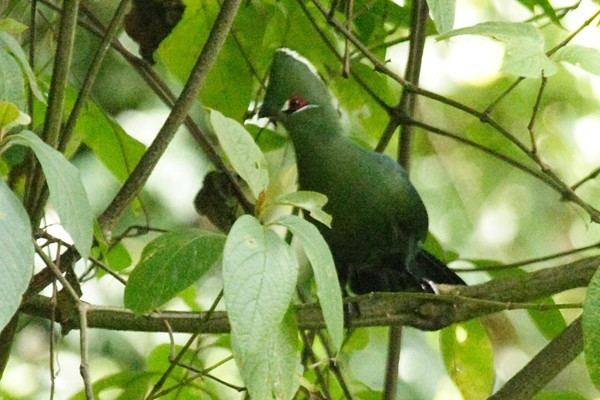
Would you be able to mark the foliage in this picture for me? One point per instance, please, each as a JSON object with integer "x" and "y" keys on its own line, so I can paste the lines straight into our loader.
{"x": 506, "y": 163}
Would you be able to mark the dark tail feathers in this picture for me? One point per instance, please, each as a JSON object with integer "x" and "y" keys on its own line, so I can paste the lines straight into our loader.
{"x": 428, "y": 268}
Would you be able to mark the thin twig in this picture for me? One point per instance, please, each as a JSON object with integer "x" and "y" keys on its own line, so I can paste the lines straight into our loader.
{"x": 84, "y": 368}
{"x": 530, "y": 261}
{"x": 531, "y": 125}
{"x": 161, "y": 381}
{"x": 588, "y": 177}
{"x": 53, "y": 301}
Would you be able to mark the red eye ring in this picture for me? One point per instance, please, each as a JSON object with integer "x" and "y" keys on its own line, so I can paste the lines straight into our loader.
{"x": 295, "y": 103}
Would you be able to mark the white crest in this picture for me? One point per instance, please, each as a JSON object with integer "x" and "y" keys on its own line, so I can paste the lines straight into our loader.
{"x": 296, "y": 56}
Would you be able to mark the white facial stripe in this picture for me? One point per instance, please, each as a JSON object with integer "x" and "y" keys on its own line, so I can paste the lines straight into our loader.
{"x": 300, "y": 58}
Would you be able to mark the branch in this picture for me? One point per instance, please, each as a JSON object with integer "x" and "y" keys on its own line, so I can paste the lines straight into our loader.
{"x": 423, "y": 311}
{"x": 56, "y": 102}
{"x": 184, "y": 103}
{"x": 544, "y": 366}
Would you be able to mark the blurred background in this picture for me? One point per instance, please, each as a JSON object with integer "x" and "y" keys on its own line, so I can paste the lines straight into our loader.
{"x": 481, "y": 209}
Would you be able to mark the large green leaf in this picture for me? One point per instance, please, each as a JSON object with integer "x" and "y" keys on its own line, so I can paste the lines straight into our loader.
{"x": 442, "y": 13}
{"x": 587, "y": 58}
{"x": 312, "y": 202}
{"x": 169, "y": 264}
{"x": 323, "y": 266}
{"x": 12, "y": 46}
{"x": 130, "y": 384}
{"x": 241, "y": 150}
{"x": 16, "y": 253}
{"x": 259, "y": 278}
{"x": 12, "y": 84}
{"x": 118, "y": 151}
{"x": 469, "y": 358}
{"x": 274, "y": 371}
{"x": 591, "y": 333}
{"x": 67, "y": 194}
{"x": 11, "y": 116}
{"x": 524, "y": 55}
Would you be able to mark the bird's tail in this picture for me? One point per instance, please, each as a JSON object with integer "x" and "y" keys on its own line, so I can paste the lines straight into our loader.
{"x": 428, "y": 268}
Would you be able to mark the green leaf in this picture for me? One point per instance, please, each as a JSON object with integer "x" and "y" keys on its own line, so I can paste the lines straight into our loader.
{"x": 442, "y": 13}
{"x": 132, "y": 385}
{"x": 549, "y": 322}
{"x": 591, "y": 334}
{"x": 312, "y": 202}
{"x": 16, "y": 253}
{"x": 11, "y": 116}
{"x": 524, "y": 55}
{"x": 587, "y": 58}
{"x": 13, "y": 47}
{"x": 12, "y": 84}
{"x": 243, "y": 154}
{"x": 259, "y": 281}
{"x": 169, "y": 264}
{"x": 323, "y": 266}
{"x": 266, "y": 139}
{"x": 558, "y": 395}
{"x": 67, "y": 194}
{"x": 274, "y": 371}
{"x": 469, "y": 358}
{"x": 10, "y": 25}
{"x": 546, "y": 7}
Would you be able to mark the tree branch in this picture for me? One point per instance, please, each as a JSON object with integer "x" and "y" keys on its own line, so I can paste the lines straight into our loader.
{"x": 544, "y": 366}
{"x": 186, "y": 100}
{"x": 423, "y": 311}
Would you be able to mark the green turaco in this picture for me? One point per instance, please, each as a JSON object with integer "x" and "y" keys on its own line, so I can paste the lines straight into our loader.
{"x": 379, "y": 220}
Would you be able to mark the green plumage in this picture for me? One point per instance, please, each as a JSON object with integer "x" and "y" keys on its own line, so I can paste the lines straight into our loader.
{"x": 379, "y": 219}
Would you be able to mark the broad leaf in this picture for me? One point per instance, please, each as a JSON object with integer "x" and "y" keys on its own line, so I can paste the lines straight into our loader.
{"x": 16, "y": 253}
{"x": 469, "y": 358}
{"x": 242, "y": 152}
{"x": 10, "y": 25}
{"x": 524, "y": 55}
{"x": 323, "y": 266}
{"x": 442, "y": 13}
{"x": 67, "y": 194}
{"x": 587, "y": 58}
{"x": 274, "y": 371}
{"x": 10, "y": 115}
{"x": 591, "y": 334}
{"x": 259, "y": 279}
{"x": 13, "y": 47}
{"x": 169, "y": 264}
{"x": 312, "y": 202}
{"x": 559, "y": 395}
{"x": 130, "y": 384}
{"x": 12, "y": 84}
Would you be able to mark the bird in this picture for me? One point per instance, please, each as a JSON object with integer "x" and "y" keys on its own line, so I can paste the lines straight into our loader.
{"x": 379, "y": 219}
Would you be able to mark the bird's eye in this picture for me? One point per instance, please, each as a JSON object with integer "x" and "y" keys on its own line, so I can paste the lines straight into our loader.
{"x": 294, "y": 103}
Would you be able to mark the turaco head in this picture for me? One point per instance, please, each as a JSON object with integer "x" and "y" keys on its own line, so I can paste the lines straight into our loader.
{"x": 296, "y": 92}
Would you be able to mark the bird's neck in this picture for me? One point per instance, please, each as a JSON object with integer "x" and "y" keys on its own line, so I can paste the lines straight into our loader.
{"x": 314, "y": 129}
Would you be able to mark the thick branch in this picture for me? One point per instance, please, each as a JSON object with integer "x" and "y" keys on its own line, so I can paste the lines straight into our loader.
{"x": 186, "y": 100}
{"x": 420, "y": 310}
{"x": 544, "y": 366}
